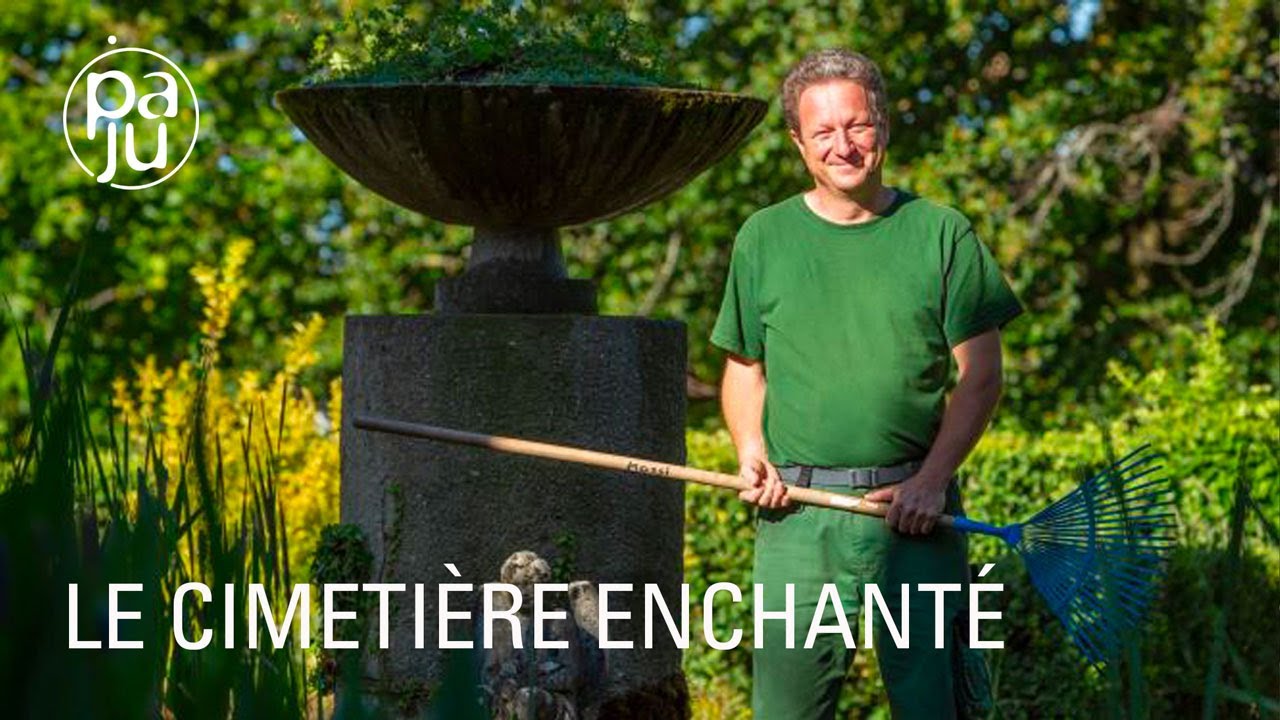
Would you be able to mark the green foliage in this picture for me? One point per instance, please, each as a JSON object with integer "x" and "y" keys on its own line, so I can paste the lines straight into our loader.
{"x": 342, "y": 556}
{"x": 72, "y": 511}
{"x": 717, "y": 548}
{"x": 564, "y": 564}
{"x": 983, "y": 101}
{"x": 1199, "y": 413}
{"x": 986, "y": 103}
{"x": 1202, "y": 415}
{"x": 511, "y": 43}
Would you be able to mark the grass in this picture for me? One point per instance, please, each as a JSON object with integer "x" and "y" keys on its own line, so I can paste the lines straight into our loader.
{"x": 79, "y": 509}
{"x": 85, "y": 508}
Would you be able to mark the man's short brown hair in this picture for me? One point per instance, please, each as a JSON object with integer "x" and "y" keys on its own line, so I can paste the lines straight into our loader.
{"x": 836, "y": 64}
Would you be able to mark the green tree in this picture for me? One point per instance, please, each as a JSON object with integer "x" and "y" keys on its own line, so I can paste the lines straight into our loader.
{"x": 1119, "y": 159}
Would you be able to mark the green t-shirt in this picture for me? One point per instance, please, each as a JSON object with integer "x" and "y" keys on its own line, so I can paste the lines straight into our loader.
{"x": 855, "y": 325}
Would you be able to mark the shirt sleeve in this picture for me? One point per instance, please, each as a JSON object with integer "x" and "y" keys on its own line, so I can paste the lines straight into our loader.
{"x": 976, "y": 297}
{"x": 739, "y": 329}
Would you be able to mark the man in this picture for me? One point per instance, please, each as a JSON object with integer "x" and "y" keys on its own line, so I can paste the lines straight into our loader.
{"x": 843, "y": 308}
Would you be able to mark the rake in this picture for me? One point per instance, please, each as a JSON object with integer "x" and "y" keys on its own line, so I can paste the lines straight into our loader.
{"x": 1096, "y": 555}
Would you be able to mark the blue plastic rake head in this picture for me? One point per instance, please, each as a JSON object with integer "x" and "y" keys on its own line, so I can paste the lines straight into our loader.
{"x": 1097, "y": 554}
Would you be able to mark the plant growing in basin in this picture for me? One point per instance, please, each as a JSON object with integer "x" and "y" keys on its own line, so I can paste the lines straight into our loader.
{"x": 516, "y": 125}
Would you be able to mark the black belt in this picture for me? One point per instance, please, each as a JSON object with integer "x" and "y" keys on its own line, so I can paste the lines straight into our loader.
{"x": 853, "y": 478}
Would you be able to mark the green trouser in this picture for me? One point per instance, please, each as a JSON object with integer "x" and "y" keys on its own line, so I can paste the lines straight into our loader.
{"x": 811, "y": 546}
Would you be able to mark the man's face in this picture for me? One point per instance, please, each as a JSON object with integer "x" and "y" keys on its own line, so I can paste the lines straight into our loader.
{"x": 837, "y": 138}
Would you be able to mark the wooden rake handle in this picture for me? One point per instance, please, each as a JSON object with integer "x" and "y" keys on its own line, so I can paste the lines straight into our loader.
{"x": 807, "y": 496}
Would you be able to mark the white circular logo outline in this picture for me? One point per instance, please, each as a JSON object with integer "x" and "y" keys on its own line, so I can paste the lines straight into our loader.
{"x": 66, "y": 134}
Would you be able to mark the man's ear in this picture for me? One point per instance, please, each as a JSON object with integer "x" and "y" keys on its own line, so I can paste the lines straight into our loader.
{"x": 795, "y": 138}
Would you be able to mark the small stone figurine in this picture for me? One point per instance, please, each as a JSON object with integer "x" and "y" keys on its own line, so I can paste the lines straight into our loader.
{"x": 544, "y": 684}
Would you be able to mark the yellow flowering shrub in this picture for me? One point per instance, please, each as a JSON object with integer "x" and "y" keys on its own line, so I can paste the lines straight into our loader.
{"x": 287, "y": 430}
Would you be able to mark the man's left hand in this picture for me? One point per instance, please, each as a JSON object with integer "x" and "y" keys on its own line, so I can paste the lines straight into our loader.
{"x": 914, "y": 504}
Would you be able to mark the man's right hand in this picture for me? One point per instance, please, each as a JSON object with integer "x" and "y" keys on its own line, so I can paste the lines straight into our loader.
{"x": 767, "y": 489}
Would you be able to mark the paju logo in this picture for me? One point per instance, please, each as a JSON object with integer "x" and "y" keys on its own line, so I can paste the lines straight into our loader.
{"x": 109, "y": 100}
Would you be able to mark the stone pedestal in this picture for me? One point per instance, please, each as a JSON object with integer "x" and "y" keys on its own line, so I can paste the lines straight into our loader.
{"x": 515, "y": 271}
{"x": 605, "y": 383}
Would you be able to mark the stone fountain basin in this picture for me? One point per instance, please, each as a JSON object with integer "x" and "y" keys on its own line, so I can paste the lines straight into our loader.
{"x": 520, "y": 156}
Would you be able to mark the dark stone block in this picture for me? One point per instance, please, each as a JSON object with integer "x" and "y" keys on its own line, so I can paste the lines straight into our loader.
{"x": 604, "y": 383}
